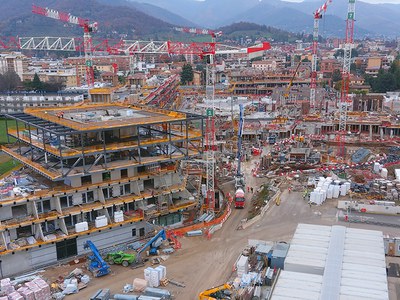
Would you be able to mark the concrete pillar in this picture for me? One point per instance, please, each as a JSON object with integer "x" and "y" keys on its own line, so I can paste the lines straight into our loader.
{"x": 381, "y": 132}
{"x": 75, "y": 181}
{"x": 391, "y": 133}
{"x": 97, "y": 177}
{"x": 370, "y": 132}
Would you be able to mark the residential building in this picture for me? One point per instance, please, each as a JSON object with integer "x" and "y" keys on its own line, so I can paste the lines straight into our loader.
{"x": 16, "y": 103}
{"x": 13, "y": 62}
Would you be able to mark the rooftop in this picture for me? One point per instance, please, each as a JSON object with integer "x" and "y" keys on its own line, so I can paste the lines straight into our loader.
{"x": 336, "y": 263}
{"x": 96, "y": 116}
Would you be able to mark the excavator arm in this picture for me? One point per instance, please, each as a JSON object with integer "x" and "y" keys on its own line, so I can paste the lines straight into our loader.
{"x": 210, "y": 294}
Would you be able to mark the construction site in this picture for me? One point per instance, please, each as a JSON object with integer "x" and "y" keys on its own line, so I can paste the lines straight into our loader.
{"x": 258, "y": 185}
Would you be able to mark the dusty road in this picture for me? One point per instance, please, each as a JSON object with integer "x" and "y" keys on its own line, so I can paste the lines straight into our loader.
{"x": 203, "y": 263}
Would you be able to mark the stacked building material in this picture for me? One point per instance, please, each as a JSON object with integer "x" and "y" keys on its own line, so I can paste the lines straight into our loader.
{"x": 6, "y": 286}
{"x": 44, "y": 288}
{"x": 26, "y": 293}
{"x": 16, "y": 296}
{"x": 242, "y": 265}
{"x": 101, "y": 221}
{"x": 118, "y": 216}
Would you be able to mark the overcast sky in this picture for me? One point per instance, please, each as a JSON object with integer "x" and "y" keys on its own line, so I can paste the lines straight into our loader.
{"x": 369, "y": 1}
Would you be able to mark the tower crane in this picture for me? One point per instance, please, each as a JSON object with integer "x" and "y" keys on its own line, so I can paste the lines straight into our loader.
{"x": 239, "y": 179}
{"x": 210, "y": 121}
{"x": 87, "y": 26}
{"x": 313, "y": 85}
{"x": 344, "y": 93}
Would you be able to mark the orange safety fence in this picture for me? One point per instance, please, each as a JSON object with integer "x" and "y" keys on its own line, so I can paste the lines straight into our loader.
{"x": 181, "y": 231}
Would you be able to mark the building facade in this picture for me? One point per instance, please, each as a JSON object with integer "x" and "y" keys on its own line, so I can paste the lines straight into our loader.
{"x": 103, "y": 172}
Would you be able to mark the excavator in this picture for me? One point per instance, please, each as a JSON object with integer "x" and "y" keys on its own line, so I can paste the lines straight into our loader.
{"x": 216, "y": 293}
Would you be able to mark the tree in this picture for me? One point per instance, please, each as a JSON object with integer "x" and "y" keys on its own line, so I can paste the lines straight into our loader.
{"x": 336, "y": 75}
{"x": 186, "y": 74}
{"x": 340, "y": 53}
{"x": 36, "y": 83}
{"x": 386, "y": 80}
{"x": 9, "y": 81}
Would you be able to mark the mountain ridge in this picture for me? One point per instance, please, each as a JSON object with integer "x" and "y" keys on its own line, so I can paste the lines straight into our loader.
{"x": 371, "y": 19}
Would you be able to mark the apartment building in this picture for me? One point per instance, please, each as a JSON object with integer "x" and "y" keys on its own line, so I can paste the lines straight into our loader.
{"x": 16, "y": 103}
{"x": 259, "y": 83}
{"x": 16, "y": 62}
{"x": 99, "y": 172}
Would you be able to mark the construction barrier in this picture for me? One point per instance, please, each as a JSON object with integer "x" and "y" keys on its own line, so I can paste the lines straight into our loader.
{"x": 263, "y": 210}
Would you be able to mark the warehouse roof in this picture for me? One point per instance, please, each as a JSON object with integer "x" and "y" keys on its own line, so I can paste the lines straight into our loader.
{"x": 350, "y": 262}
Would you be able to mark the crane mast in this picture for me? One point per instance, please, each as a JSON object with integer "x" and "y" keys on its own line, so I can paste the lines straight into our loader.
{"x": 210, "y": 134}
{"x": 87, "y": 38}
{"x": 313, "y": 85}
{"x": 210, "y": 146}
{"x": 344, "y": 94}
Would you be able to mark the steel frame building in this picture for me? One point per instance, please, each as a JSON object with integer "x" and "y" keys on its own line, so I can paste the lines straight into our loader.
{"x": 96, "y": 160}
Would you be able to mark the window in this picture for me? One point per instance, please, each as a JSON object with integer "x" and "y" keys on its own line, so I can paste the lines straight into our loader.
{"x": 68, "y": 221}
{"x": 43, "y": 206}
{"x": 124, "y": 173}
{"x": 106, "y": 176}
{"x": 19, "y": 211}
{"x": 105, "y": 193}
{"x": 25, "y": 231}
{"x": 48, "y": 227}
{"x": 66, "y": 249}
{"x": 87, "y": 179}
{"x": 88, "y": 197}
{"x": 121, "y": 190}
{"x": 134, "y": 232}
{"x": 127, "y": 188}
{"x": 141, "y": 231}
{"x": 66, "y": 201}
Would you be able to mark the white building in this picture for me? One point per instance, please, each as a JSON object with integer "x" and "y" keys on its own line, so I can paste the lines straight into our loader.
{"x": 12, "y": 62}
{"x": 333, "y": 262}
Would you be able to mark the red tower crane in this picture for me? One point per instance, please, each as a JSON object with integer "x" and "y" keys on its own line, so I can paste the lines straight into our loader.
{"x": 87, "y": 39}
{"x": 344, "y": 93}
{"x": 313, "y": 85}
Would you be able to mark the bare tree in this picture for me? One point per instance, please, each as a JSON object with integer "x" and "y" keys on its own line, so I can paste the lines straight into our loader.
{"x": 9, "y": 81}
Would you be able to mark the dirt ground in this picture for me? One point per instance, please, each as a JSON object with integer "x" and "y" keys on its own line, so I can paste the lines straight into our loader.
{"x": 202, "y": 263}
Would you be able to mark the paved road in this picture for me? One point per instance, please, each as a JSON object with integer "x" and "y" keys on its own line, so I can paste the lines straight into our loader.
{"x": 203, "y": 263}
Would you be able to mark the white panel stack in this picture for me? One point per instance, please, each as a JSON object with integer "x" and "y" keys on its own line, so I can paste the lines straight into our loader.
{"x": 242, "y": 265}
{"x": 343, "y": 190}
{"x": 322, "y": 195}
{"x": 384, "y": 173}
{"x": 377, "y": 167}
{"x": 147, "y": 273}
{"x": 313, "y": 197}
{"x": 82, "y": 226}
{"x": 118, "y": 216}
{"x": 348, "y": 185}
{"x": 329, "y": 192}
{"x": 154, "y": 278}
{"x": 101, "y": 221}
{"x": 163, "y": 271}
{"x": 336, "y": 191}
